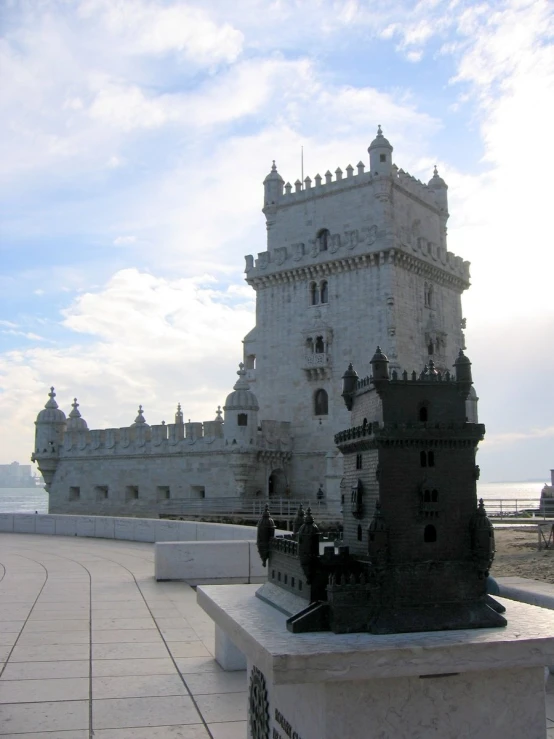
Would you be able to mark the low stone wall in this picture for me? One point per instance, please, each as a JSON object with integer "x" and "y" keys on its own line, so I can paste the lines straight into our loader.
{"x": 213, "y": 562}
{"x": 131, "y": 529}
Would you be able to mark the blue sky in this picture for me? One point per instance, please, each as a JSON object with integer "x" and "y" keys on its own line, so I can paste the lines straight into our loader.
{"x": 134, "y": 137}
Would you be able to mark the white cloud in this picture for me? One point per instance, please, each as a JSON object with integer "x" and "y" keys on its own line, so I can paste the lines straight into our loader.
{"x": 124, "y": 240}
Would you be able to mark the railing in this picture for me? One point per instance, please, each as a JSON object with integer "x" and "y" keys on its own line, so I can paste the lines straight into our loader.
{"x": 282, "y": 508}
{"x": 510, "y": 508}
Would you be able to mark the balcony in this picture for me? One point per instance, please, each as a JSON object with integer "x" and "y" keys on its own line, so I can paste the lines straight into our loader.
{"x": 316, "y": 365}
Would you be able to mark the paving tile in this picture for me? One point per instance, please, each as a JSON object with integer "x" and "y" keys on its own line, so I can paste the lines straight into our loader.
{"x": 63, "y": 689}
{"x": 192, "y": 731}
{"x": 137, "y": 686}
{"x": 7, "y": 627}
{"x": 129, "y": 650}
{"x": 50, "y": 652}
{"x": 119, "y": 636}
{"x": 39, "y": 638}
{"x": 229, "y": 730}
{"x": 217, "y": 682}
{"x": 122, "y": 667}
{"x": 187, "y": 665}
{"x": 184, "y": 634}
{"x": 101, "y": 623}
{"x": 45, "y": 670}
{"x": 4, "y": 653}
{"x": 84, "y": 734}
{"x": 187, "y": 649}
{"x": 222, "y": 707}
{"x": 8, "y": 639}
{"x": 124, "y": 713}
{"x": 19, "y": 718}
{"x": 172, "y": 623}
{"x": 81, "y": 624}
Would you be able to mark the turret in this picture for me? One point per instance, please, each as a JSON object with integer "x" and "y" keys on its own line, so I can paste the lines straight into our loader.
{"x": 440, "y": 190}
{"x": 241, "y": 412}
{"x": 462, "y": 366}
{"x": 379, "y": 369}
{"x": 50, "y": 430}
{"x": 75, "y": 422}
{"x": 139, "y": 420}
{"x": 179, "y": 415}
{"x": 380, "y": 155}
{"x": 265, "y": 533}
{"x": 482, "y": 540}
{"x": 349, "y": 384}
{"x": 273, "y": 192}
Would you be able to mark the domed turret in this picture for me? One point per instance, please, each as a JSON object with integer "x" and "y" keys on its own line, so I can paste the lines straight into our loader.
{"x": 75, "y": 422}
{"x": 379, "y": 368}
{"x": 179, "y": 414}
{"x": 462, "y": 366}
{"x": 139, "y": 420}
{"x": 380, "y": 155}
{"x": 241, "y": 411}
{"x": 273, "y": 191}
{"x": 49, "y": 433}
{"x": 440, "y": 190}
{"x": 349, "y": 384}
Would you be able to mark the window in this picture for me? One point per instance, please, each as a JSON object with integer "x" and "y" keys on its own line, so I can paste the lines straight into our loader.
{"x": 314, "y": 293}
{"x": 324, "y": 292}
{"x": 74, "y": 493}
{"x": 131, "y": 492}
{"x": 319, "y": 345}
{"x": 423, "y": 459}
{"x": 431, "y": 459}
{"x": 431, "y": 348}
{"x": 423, "y": 415}
{"x": 242, "y": 419}
{"x": 321, "y": 403}
{"x": 430, "y": 534}
{"x": 428, "y": 295}
{"x": 101, "y": 492}
{"x": 427, "y": 496}
{"x": 359, "y": 532}
{"x": 382, "y": 157}
{"x": 323, "y": 239}
{"x": 434, "y": 496}
{"x": 197, "y": 491}
{"x": 359, "y": 461}
{"x": 250, "y": 361}
{"x": 163, "y": 492}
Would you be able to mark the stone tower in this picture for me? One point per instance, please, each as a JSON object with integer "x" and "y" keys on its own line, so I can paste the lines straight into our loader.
{"x": 353, "y": 259}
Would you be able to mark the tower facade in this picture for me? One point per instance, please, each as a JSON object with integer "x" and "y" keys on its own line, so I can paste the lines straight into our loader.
{"x": 353, "y": 259}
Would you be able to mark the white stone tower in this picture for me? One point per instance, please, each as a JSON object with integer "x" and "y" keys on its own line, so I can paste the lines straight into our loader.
{"x": 351, "y": 263}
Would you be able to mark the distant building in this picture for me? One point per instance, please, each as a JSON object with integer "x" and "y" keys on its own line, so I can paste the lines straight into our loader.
{"x": 352, "y": 260}
{"x": 16, "y": 475}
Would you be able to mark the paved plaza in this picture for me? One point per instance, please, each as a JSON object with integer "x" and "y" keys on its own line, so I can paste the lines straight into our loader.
{"x": 92, "y": 646}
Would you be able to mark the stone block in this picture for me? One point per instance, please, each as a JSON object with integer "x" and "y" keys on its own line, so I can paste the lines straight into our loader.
{"x": 24, "y": 523}
{"x": 203, "y": 562}
{"x": 45, "y": 524}
{"x": 66, "y": 525}
{"x": 227, "y": 655}
{"x": 145, "y": 529}
{"x": 124, "y": 528}
{"x": 104, "y": 527}
{"x": 6, "y": 521}
{"x": 86, "y": 526}
{"x": 167, "y": 530}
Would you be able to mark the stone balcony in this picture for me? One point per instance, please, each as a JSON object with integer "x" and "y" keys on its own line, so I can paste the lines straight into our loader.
{"x": 316, "y": 365}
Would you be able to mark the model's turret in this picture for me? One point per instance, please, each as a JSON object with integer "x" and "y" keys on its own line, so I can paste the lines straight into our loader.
{"x": 462, "y": 366}
{"x": 379, "y": 369}
{"x": 349, "y": 383}
{"x": 380, "y": 155}
{"x": 50, "y": 430}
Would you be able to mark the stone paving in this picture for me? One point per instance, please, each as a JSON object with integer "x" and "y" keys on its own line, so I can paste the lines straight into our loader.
{"x": 91, "y": 646}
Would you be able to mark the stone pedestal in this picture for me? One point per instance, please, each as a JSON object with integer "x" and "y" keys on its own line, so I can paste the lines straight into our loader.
{"x": 474, "y": 684}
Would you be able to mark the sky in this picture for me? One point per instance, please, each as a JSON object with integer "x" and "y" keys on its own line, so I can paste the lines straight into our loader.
{"x": 134, "y": 139}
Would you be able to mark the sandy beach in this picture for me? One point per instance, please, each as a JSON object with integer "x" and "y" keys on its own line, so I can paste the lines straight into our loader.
{"x": 517, "y": 554}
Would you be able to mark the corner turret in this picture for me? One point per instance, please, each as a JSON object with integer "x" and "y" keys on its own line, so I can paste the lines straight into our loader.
{"x": 273, "y": 192}
{"x": 75, "y": 422}
{"x": 380, "y": 155}
{"x": 50, "y": 430}
{"x": 462, "y": 365}
{"x": 241, "y": 412}
{"x": 379, "y": 369}
{"x": 440, "y": 190}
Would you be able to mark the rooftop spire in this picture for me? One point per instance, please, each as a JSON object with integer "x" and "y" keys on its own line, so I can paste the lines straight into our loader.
{"x": 140, "y": 417}
{"x": 51, "y": 403}
{"x": 75, "y": 413}
{"x": 242, "y": 382}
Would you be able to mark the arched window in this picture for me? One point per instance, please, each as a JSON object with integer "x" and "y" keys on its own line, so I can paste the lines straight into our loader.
{"x": 423, "y": 459}
{"x": 431, "y": 348}
{"x": 434, "y": 496}
{"x": 430, "y": 534}
{"x": 423, "y": 415}
{"x": 319, "y": 345}
{"x": 324, "y": 291}
{"x": 314, "y": 293}
{"x": 427, "y": 496}
{"x": 242, "y": 419}
{"x": 323, "y": 239}
{"x": 321, "y": 403}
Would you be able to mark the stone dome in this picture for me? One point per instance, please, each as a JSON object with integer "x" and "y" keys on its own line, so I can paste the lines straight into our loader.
{"x": 380, "y": 141}
{"x": 436, "y": 182}
{"x": 242, "y": 398}
{"x": 139, "y": 420}
{"x": 51, "y": 413}
{"x": 75, "y": 422}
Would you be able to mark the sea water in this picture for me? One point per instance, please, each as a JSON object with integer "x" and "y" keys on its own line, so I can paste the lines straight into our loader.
{"x": 29, "y": 500}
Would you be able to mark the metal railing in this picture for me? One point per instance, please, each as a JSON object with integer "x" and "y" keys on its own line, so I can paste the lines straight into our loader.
{"x": 521, "y": 508}
{"x": 281, "y": 508}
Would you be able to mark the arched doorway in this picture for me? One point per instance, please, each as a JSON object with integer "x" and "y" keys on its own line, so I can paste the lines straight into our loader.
{"x": 277, "y": 484}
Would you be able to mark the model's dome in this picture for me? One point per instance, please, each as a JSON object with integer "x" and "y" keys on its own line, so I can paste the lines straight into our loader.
{"x": 242, "y": 398}
{"x": 51, "y": 413}
{"x": 75, "y": 422}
